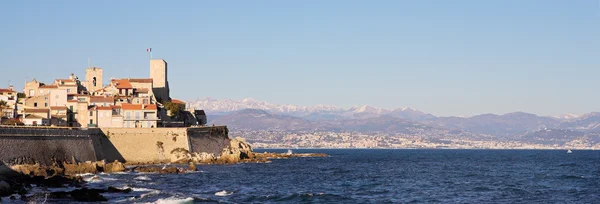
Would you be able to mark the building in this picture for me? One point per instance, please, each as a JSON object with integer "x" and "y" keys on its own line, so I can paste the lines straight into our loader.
{"x": 10, "y": 97}
{"x": 158, "y": 73}
{"x": 125, "y": 102}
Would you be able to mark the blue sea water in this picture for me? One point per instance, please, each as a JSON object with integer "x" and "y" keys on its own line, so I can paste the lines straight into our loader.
{"x": 379, "y": 176}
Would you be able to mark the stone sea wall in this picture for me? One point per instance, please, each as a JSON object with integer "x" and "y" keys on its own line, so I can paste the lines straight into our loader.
{"x": 147, "y": 145}
{"x": 22, "y": 145}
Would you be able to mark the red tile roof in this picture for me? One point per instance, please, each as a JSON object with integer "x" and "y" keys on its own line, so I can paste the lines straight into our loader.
{"x": 6, "y": 91}
{"x": 141, "y": 80}
{"x": 128, "y": 106}
{"x": 122, "y": 84}
{"x": 177, "y": 101}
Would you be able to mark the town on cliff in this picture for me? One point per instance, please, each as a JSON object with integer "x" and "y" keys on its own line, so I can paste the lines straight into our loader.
{"x": 75, "y": 102}
{"x": 50, "y": 134}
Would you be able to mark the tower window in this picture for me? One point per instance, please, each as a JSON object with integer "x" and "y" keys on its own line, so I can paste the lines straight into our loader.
{"x": 94, "y": 81}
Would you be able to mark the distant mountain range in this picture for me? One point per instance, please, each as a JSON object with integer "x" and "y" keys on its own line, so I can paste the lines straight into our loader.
{"x": 251, "y": 114}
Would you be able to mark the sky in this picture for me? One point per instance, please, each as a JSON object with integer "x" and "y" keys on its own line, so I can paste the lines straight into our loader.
{"x": 448, "y": 58}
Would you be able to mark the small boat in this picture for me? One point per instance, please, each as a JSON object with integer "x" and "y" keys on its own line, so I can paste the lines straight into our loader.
{"x": 289, "y": 152}
{"x": 569, "y": 151}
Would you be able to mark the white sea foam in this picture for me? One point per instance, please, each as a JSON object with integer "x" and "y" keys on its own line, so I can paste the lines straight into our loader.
{"x": 174, "y": 200}
{"x": 143, "y": 178}
{"x": 223, "y": 193}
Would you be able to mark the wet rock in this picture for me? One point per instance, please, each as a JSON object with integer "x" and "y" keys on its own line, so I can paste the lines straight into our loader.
{"x": 192, "y": 167}
{"x": 6, "y": 172}
{"x": 5, "y": 189}
{"x": 87, "y": 195}
{"x": 117, "y": 190}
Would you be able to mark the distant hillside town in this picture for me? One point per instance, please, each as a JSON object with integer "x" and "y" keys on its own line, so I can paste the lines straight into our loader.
{"x": 126, "y": 102}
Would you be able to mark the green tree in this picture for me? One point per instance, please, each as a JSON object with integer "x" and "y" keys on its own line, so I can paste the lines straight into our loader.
{"x": 175, "y": 108}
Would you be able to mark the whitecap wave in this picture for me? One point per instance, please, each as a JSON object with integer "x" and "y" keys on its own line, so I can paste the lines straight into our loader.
{"x": 174, "y": 200}
{"x": 143, "y": 178}
{"x": 223, "y": 193}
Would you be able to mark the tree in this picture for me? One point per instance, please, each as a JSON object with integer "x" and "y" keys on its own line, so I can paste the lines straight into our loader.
{"x": 3, "y": 105}
{"x": 174, "y": 108}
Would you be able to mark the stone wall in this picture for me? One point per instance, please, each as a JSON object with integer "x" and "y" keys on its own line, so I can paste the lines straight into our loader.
{"x": 208, "y": 139}
{"x": 22, "y": 145}
{"x": 143, "y": 144}
{"x": 123, "y": 144}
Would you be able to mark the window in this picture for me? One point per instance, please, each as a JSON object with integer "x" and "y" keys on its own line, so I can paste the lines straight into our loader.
{"x": 35, "y": 104}
{"x": 94, "y": 81}
{"x": 45, "y": 104}
{"x": 68, "y": 90}
{"x": 31, "y": 93}
{"x": 137, "y": 115}
{"x": 91, "y": 113}
{"x": 91, "y": 121}
{"x": 46, "y": 98}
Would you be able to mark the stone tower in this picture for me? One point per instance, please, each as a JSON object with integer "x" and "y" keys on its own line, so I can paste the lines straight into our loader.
{"x": 160, "y": 84}
{"x": 93, "y": 79}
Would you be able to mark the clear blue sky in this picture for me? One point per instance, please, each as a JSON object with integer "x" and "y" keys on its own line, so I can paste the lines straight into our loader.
{"x": 442, "y": 57}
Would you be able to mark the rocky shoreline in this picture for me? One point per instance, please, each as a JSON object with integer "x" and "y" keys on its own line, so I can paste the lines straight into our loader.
{"x": 22, "y": 174}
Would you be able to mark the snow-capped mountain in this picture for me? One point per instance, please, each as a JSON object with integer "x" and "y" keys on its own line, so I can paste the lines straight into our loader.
{"x": 214, "y": 106}
{"x": 317, "y": 112}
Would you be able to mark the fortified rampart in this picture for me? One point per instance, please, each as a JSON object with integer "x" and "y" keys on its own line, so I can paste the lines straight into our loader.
{"x": 41, "y": 144}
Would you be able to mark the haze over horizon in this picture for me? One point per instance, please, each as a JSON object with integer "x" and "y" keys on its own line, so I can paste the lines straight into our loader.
{"x": 455, "y": 58}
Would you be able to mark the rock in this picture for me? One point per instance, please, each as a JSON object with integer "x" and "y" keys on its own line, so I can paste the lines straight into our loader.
{"x": 203, "y": 157}
{"x": 5, "y": 189}
{"x": 117, "y": 190}
{"x": 154, "y": 169}
{"x": 237, "y": 150}
{"x": 192, "y": 167}
{"x": 115, "y": 166}
{"x": 87, "y": 195}
{"x": 169, "y": 170}
{"x": 6, "y": 172}
{"x": 80, "y": 168}
{"x": 180, "y": 155}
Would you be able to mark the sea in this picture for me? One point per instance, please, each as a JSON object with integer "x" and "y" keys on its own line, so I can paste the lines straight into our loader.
{"x": 376, "y": 176}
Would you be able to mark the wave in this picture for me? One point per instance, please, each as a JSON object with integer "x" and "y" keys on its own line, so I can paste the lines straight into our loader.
{"x": 174, "y": 200}
{"x": 223, "y": 193}
{"x": 568, "y": 177}
{"x": 143, "y": 178}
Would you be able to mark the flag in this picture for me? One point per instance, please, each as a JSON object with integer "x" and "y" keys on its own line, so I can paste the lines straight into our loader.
{"x": 149, "y": 50}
